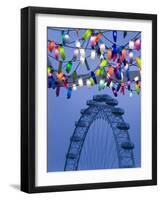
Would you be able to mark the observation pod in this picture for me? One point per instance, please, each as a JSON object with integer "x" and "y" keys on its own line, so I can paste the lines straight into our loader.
{"x": 127, "y": 145}
{"x": 71, "y": 156}
{"x": 76, "y": 139}
{"x": 91, "y": 103}
{"x": 112, "y": 102}
{"x": 123, "y": 126}
{"x": 101, "y": 107}
{"x": 101, "y": 98}
{"x": 81, "y": 124}
{"x": 85, "y": 111}
{"x": 117, "y": 111}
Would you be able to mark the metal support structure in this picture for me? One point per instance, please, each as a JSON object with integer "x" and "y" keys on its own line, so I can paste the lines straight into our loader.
{"x": 101, "y": 107}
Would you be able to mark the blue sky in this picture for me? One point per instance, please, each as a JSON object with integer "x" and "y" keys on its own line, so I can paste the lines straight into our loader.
{"x": 63, "y": 112}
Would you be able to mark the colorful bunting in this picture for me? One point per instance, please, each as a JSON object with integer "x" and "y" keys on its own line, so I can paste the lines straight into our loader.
{"x": 93, "y": 40}
{"x": 86, "y": 34}
{"x": 68, "y": 66}
{"x": 118, "y": 87}
{"x": 125, "y": 34}
{"x": 60, "y": 76}
{"x": 98, "y": 72}
{"x": 136, "y": 79}
{"x": 137, "y": 44}
{"x": 129, "y": 85}
{"x": 82, "y": 52}
{"x": 103, "y": 63}
{"x": 66, "y": 84}
{"x": 91, "y": 81}
{"x": 123, "y": 88}
{"x": 113, "y": 70}
{"x": 131, "y": 44}
{"x": 80, "y": 82}
{"x": 101, "y": 71}
{"x": 127, "y": 74}
{"x": 50, "y": 70}
{"x": 82, "y": 60}
{"x": 75, "y": 54}
{"x": 102, "y": 48}
{"x": 69, "y": 93}
{"x": 130, "y": 93}
{"x": 50, "y": 81}
{"x": 51, "y": 46}
{"x": 60, "y": 67}
{"x": 62, "y": 52}
{"x": 94, "y": 77}
{"x": 57, "y": 91}
{"x": 115, "y": 36}
{"x": 74, "y": 76}
{"x": 77, "y": 44}
{"x": 62, "y": 37}
{"x": 138, "y": 61}
{"x": 114, "y": 91}
{"x": 56, "y": 53}
{"x": 110, "y": 71}
{"x": 108, "y": 79}
{"x": 138, "y": 88}
{"x": 93, "y": 54}
{"x": 123, "y": 54}
{"x": 109, "y": 54}
{"x": 74, "y": 87}
{"x": 88, "y": 83}
{"x": 66, "y": 38}
{"x": 114, "y": 52}
{"x": 131, "y": 55}
{"x": 102, "y": 84}
{"x": 98, "y": 37}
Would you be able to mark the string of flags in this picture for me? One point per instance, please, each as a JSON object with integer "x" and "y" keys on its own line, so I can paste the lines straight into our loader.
{"x": 113, "y": 70}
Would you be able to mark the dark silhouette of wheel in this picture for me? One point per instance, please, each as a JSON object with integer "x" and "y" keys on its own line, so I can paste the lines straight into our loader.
{"x": 89, "y": 146}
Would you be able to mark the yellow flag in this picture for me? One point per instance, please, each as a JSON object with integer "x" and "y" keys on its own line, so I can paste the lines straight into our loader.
{"x": 86, "y": 34}
{"x": 138, "y": 61}
{"x": 98, "y": 72}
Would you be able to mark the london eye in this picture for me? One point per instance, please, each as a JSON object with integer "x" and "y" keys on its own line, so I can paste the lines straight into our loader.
{"x": 83, "y": 152}
{"x": 101, "y": 136}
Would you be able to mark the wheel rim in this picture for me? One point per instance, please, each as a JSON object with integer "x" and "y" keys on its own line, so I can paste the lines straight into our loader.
{"x": 101, "y": 107}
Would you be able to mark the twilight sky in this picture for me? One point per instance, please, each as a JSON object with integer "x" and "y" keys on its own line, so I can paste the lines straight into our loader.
{"x": 63, "y": 112}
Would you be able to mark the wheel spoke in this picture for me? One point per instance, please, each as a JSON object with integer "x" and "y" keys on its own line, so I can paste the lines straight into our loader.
{"x": 101, "y": 147}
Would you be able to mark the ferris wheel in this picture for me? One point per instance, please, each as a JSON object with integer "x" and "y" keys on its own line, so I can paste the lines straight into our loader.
{"x": 100, "y": 139}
